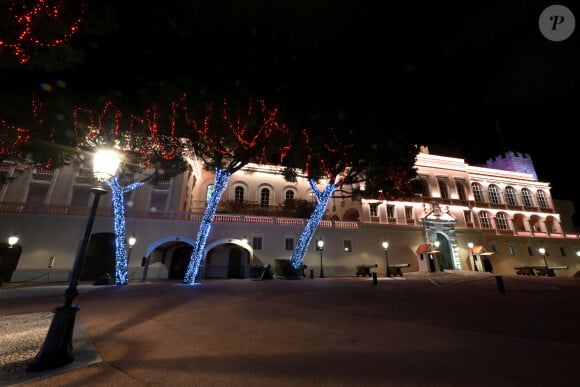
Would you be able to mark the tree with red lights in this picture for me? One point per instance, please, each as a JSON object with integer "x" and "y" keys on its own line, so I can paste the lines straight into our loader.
{"x": 145, "y": 145}
{"x": 35, "y": 141}
{"x": 33, "y": 29}
{"x": 350, "y": 160}
{"x": 227, "y": 134}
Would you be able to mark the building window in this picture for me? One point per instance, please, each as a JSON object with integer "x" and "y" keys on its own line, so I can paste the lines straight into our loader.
{"x": 347, "y": 246}
{"x": 264, "y": 198}
{"x": 81, "y": 195}
{"x": 289, "y": 244}
{"x": 461, "y": 190}
{"x": 510, "y": 196}
{"x": 542, "y": 199}
{"x": 494, "y": 249}
{"x": 468, "y": 218}
{"x": 502, "y": 221}
{"x": 37, "y": 194}
{"x": 493, "y": 193}
{"x": 257, "y": 243}
{"x": 511, "y": 250}
{"x": 527, "y": 197}
{"x": 530, "y": 251}
{"x": 484, "y": 219}
{"x": 443, "y": 189}
{"x": 477, "y": 192}
{"x": 158, "y": 200}
{"x": 289, "y": 194}
{"x": 208, "y": 192}
{"x": 425, "y": 188}
{"x": 373, "y": 209}
{"x": 562, "y": 252}
{"x": 391, "y": 212}
{"x": 239, "y": 194}
{"x": 409, "y": 214}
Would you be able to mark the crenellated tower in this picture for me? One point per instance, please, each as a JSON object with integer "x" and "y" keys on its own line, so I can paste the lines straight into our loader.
{"x": 515, "y": 162}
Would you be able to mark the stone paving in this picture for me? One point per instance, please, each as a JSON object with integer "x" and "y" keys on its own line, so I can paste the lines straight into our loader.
{"x": 22, "y": 336}
{"x": 443, "y": 329}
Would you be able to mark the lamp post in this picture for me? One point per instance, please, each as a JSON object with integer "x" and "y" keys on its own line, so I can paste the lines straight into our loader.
{"x": 132, "y": 241}
{"x": 386, "y": 248}
{"x": 470, "y": 246}
{"x": 320, "y": 246}
{"x": 437, "y": 255}
{"x": 543, "y": 252}
{"x": 57, "y": 349}
{"x": 12, "y": 240}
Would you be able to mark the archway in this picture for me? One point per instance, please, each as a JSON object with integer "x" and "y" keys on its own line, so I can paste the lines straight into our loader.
{"x": 101, "y": 258}
{"x": 351, "y": 214}
{"x": 445, "y": 255}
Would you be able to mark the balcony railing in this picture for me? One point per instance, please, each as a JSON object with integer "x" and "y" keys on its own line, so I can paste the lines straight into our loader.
{"x": 171, "y": 215}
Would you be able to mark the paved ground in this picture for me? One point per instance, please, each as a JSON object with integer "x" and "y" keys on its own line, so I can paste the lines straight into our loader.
{"x": 445, "y": 329}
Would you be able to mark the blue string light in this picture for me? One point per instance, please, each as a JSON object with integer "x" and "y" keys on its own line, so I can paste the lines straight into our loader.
{"x": 119, "y": 220}
{"x": 221, "y": 181}
{"x": 312, "y": 224}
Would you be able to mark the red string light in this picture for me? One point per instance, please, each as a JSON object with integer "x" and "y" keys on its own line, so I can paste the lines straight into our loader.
{"x": 32, "y": 21}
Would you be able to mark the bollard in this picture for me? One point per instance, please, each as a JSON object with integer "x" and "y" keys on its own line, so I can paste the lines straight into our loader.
{"x": 374, "y": 278}
{"x": 499, "y": 282}
{"x": 311, "y": 274}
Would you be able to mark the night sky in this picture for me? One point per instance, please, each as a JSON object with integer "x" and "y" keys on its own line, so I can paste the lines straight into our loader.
{"x": 468, "y": 79}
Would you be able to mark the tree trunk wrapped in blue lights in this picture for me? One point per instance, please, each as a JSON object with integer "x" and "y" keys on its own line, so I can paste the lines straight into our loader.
{"x": 221, "y": 181}
{"x": 308, "y": 232}
{"x": 119, "y": 216}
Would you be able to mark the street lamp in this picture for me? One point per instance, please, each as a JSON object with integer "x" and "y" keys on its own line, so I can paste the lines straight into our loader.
{"x": 543, "y": 252}
{"x": 132, "y": 241}
{"x": 472, "y": 256}
{"x": 437, "y": 256}
{"x": 386, "y": 248}
{"x": 12, "y": 240}
{"x": 320, "y": 246}
{"x": 57, "y": 349}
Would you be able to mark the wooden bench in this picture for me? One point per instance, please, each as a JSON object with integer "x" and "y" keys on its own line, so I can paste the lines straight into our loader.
{"x": 364, "y": 270}
{"x": 395, "y": 269}
{"x": 538, "y": 270}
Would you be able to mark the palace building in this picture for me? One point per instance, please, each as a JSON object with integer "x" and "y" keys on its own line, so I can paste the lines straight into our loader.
{"x": 493, "y": 218}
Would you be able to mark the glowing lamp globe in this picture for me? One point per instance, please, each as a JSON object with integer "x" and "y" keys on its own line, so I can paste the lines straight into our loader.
{"x": 105, "y": 163}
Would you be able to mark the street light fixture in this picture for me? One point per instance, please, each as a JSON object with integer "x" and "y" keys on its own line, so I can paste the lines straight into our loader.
{"x": 12, "y": 240}
{"x": 132, "y": 241}
{"x": 437, "y": 256}
{"x": 386, "y": 248}
{"x": 472, "y": 256}
{"x": 320, "y": 246}
{"x": 57, "y": 349}
{"x": 542, "y": 251}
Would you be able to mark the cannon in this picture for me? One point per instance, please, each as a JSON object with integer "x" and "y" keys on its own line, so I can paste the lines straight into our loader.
{"x": 395, "y": 269}
{"x": 365, "y": 269}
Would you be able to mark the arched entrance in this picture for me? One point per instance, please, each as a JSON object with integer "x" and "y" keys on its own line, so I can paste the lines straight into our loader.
{"x": 228, "y": 258}
{"x": 9, "y": 257}
{"x": 445, "y": 254}
{"x": 180, "y": 262}
{"x": 235, "y": 263}
{"x": 101, "y": 259}
{"x": 351, "y": 214}
{"x": 223, "y": 258}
